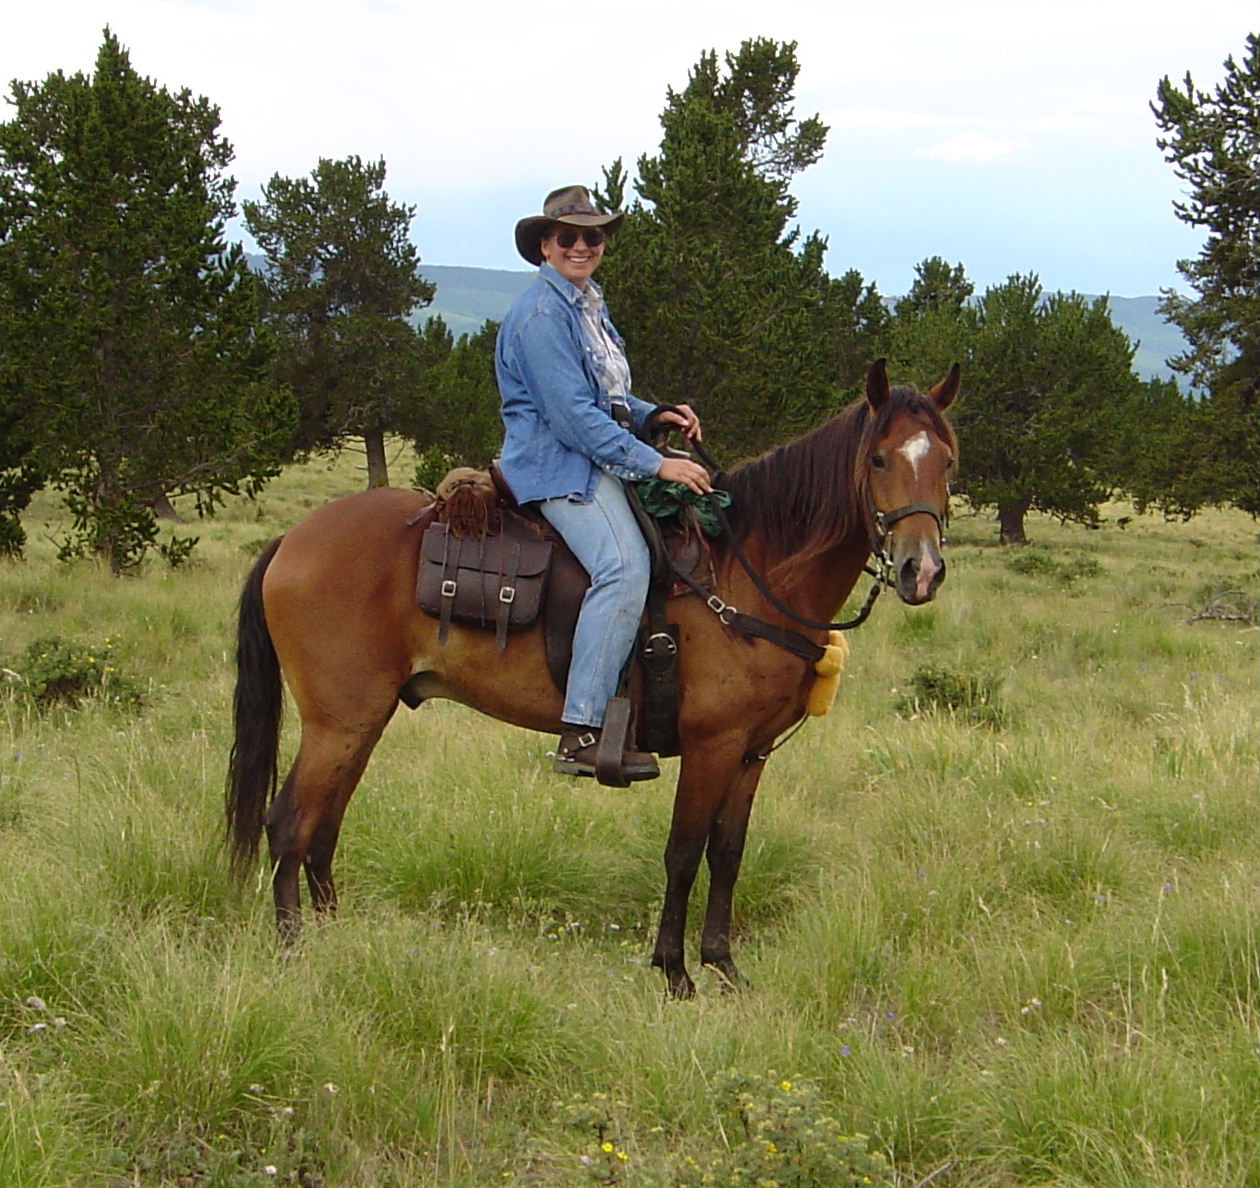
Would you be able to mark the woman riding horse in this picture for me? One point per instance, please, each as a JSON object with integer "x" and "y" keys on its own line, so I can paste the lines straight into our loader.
{"x": 330, "y": 609}
{"x": 569, "y": 419}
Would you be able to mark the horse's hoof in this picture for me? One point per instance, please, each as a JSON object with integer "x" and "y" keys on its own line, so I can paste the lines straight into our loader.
{"x": 678, "y": 983}
{"x": 728, "y": 975}
{"x": 682, "y": 989}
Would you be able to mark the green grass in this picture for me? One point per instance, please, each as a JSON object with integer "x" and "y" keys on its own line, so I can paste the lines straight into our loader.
{"x": 1014, "y": 953}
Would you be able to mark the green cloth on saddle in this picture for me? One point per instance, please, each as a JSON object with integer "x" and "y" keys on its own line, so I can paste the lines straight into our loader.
{"x": 661, "y": 498}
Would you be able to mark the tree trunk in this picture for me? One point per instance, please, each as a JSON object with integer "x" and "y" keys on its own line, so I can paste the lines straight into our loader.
{"x": 163, "y": 509}
{"x": 374, "y": 447}
{"x": 1011, "y": 522}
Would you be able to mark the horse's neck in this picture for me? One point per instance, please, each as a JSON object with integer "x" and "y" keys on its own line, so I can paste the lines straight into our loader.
{"x": 828, "y": 579}
{"x": 818, "y": 590}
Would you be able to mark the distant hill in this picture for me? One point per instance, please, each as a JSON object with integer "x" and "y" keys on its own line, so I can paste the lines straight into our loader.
{"x": 1158, "y": 340}
{"x": 466, "y": 297}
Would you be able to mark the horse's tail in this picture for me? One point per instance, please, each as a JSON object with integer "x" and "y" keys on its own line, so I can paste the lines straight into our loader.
{"x": 257, "y": 710}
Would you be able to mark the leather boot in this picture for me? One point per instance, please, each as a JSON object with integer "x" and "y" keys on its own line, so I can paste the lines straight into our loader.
{"x": 575, "y": 755}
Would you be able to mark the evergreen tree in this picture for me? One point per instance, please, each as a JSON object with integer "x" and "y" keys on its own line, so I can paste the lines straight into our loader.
{"x": 342, "y": 279}
{"x": 936, "y": 284}
{"x": 722, "y": 303}
{"x": 457, "y": 422}
{"x": 1212, "y": 140}
{"x": 1163, "y": 458}
{"x": 1048, "y": 383}
{"x": 130, "y": 328}
{"x": 18, "y": 478}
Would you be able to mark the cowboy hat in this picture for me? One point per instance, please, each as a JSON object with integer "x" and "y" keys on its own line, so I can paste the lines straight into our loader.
{"x": 569, "y": 204}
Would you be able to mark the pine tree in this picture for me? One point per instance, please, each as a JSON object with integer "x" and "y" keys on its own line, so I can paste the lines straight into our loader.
{"x": 456, "y": 423}
{"x": 342, "y": 281}
{"x": 1162, "y": 459}
{"x": 130, "y": 327}
{"x": 722, "y": 303}
{"x": 1212, "y": 139}
{"x": 1048, "y": 383}
{"x": 936, "y": 284}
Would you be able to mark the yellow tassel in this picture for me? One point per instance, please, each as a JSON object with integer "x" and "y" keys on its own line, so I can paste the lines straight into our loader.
{"x": 828, "y": 667}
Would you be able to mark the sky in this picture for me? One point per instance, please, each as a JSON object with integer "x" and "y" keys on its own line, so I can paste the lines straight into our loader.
{"x": 1009, "y": 137}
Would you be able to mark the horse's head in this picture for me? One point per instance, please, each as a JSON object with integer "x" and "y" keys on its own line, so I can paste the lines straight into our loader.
{"x": 910, "y": 456}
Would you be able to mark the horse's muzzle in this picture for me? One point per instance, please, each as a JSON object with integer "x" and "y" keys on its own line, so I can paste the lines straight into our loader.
{"x": 918, "y": 576}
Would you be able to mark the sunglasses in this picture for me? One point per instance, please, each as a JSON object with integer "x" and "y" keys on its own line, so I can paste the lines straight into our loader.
{"x": 591, "y": 236}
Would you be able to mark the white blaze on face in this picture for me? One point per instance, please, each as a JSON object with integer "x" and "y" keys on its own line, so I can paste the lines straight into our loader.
{"x": 915, "y": 449}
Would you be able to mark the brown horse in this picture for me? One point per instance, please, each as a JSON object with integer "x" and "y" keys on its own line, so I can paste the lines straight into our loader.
{"x": 330, "y": 607}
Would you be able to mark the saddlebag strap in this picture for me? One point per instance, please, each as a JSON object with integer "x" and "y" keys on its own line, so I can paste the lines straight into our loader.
{"x": 450, "y": 584}
{"x": 507, "y": 593}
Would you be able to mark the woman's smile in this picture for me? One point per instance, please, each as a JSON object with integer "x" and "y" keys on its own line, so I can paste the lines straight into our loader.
{"x": 576, "y": 262}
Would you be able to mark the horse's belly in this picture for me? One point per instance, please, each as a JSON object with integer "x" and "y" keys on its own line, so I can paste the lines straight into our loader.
{"x": 513, "y": 685}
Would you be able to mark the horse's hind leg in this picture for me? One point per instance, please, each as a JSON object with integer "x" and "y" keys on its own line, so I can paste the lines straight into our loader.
{"x": 305, "y": 819}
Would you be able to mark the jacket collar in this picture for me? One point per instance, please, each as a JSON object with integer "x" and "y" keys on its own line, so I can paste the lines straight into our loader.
{"x": 565, "y": 287}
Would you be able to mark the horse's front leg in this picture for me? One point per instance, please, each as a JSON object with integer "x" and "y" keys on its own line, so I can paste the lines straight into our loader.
{"x": 726, "y": 851}
{"x": 708, "y": 769}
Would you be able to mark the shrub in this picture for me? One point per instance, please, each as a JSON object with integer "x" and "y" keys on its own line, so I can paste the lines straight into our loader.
{"x": 178, "y": 550}
{"x": 12, "y": 537}
{"x": 431, "y": 467}
{"x": 603, "y": 1158}
{"x": 786, "y": 1138}
{"x": 965, "y": 695}
{"x": 1035, "y": 562}
{"x": 58, "y": 671}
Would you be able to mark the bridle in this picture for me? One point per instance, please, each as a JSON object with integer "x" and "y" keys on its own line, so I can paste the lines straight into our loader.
{"x": 881, "y": 533}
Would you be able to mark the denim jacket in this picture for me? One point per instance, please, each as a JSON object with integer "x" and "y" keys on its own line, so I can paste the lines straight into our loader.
{"x": 557, "y": 416}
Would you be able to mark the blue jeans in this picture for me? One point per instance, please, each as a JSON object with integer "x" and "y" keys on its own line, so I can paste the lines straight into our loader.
{"x": 606, "y": 539}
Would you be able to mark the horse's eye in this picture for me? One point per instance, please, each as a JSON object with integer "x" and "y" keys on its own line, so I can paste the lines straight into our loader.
{"x": 878, "y": 461}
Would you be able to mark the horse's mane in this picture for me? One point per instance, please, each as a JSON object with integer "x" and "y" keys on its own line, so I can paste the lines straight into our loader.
{"x": 805, "y": 497}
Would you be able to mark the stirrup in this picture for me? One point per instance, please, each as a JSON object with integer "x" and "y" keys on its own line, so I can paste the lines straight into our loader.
{"x": 615, "y": 764}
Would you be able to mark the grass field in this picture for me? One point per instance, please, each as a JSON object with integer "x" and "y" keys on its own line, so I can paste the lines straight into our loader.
{"x": 999, "y": 908}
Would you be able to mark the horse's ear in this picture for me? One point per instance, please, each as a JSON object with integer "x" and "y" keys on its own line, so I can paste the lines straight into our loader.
{"x": 877, "y": 384}
{"x": 944, "y": 392}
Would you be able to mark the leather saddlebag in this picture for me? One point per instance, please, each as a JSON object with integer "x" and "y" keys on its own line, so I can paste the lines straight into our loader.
{"x": 492, "y": 581}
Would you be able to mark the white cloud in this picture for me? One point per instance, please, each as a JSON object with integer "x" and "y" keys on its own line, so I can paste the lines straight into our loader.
{"x": 975, "y": 147}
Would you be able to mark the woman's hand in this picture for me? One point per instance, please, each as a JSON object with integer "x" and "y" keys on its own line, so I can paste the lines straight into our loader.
{"x": 684, "y": 419}
{"x": 687, "y": 472}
